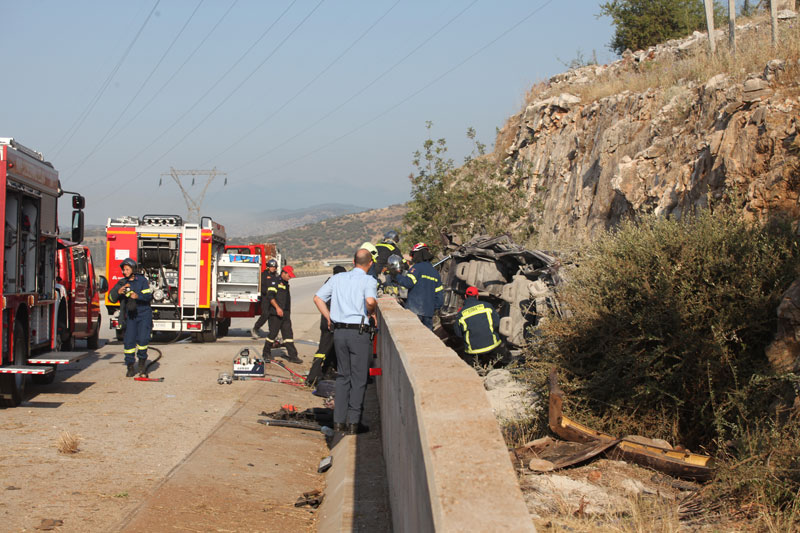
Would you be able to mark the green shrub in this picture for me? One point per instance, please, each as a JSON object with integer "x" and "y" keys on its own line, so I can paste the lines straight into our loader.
{"x": 669, "y": 318}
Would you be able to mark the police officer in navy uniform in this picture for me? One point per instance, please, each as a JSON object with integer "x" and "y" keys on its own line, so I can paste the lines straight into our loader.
{"x": 269, "y": 277}
{"x": 133, "y": 293}
{"x": 280, "y": 320}
{"x": 478, "y": 325}
{"x": 424, "y": 285}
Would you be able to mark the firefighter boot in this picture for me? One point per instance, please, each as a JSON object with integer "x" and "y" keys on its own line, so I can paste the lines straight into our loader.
{"x": 143, "y": 367}
{"x": 266, "y": 352}
{"x": 291, "y": 355}
{"x": 131, "y": 372}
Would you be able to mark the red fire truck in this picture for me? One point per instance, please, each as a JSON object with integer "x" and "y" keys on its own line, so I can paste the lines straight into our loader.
{"x": 240, "y": 277}
{"x": 29, "y": 192}
{"x": 78, "y": 316}
{"x": 180, "y": 260}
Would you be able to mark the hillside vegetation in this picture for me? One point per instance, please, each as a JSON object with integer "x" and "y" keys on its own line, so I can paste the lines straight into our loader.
{"x": 336, "y": 237}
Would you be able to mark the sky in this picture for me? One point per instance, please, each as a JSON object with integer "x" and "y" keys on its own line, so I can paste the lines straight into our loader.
{"x": 299, "y": 102}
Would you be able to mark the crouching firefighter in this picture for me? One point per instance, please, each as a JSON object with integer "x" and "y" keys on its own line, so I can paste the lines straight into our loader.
{"x": 478, "y": 325}
{"x": 133, "y": 293}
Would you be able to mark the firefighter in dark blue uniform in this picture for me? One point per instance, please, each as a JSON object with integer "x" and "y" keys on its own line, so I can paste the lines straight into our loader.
{"x": 133, "y": 293}
{"x": 478, "y": 325}
{"x": 280, "y": 320}
{"x": 424, "y": 285}
{"x": 269, "y": 277}
{"x": 387, "y": 248}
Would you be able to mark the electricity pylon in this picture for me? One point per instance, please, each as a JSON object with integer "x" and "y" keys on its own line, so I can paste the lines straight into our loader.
{"x": 193, "y": 205}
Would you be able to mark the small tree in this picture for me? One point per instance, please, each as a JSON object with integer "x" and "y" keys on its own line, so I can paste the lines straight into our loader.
{"x": 474, "y": 197}
{"x": 642, "y": 23}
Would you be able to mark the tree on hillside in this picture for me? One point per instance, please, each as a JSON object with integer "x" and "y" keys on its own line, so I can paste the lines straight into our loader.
{"x": 463, "y": 200}
{"x": 642, "y": 23}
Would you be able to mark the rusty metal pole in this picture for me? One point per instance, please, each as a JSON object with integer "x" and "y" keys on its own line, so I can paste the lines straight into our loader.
{"x": 710, "y": 24}
{"x": 732, "y": 25}
{"x": 773, "y": 17}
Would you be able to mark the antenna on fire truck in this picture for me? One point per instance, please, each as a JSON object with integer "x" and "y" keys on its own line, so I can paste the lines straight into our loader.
{"x": 192, "y": 204}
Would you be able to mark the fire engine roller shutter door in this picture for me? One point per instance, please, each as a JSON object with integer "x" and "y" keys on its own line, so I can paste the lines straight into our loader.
{"x": 48, "y": 215}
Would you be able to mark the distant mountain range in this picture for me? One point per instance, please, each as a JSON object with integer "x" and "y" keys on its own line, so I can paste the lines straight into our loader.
{"x": 335, "y": 237}
{"x": 277, "y": 220}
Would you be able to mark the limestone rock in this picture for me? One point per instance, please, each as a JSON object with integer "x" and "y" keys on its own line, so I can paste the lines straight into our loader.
{"x": 784, "y": 351}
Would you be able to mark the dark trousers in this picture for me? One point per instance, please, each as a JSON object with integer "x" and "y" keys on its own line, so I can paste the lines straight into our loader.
{"x": 282, "y": 325}
{"x": 353, "y": 356}
{"x": 137, "y": 337}
{"x": 262, "y": 318}
{"x": 427, "y": 321}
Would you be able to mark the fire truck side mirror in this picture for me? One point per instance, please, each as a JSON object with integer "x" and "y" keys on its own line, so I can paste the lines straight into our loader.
{"x": 78, "y": 202}
{"x": 77, "y": 226}
{"x": 102, "y": 284}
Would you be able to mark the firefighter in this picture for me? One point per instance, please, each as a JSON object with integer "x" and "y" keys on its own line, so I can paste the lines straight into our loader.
{"x": 325, "y": 358}
{"x": 386, "y": 248}
{"x": 478, "y": 325}
{"x": 133, "y": 293}
{"x": 373, "y": 251}
{"x": 269, "y": 277}
{"x": 424, "y": 285}
{"x": 280, "y": 320}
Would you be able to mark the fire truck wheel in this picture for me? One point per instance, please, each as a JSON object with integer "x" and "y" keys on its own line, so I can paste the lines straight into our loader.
{"x": 211, "y": 334}
{"x": 93, "y": 342}
{"x": 224, "y": 326}
{"x": 13, "y": 385}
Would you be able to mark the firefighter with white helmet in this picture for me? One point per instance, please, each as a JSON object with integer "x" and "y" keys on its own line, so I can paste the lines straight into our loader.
{"x": 133, "y": 293}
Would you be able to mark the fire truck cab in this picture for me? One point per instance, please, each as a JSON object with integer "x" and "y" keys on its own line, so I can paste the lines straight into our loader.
{"x": 78, "y": 316}
{"x": 29, "y": 192}
{"x": 180, "y": 260}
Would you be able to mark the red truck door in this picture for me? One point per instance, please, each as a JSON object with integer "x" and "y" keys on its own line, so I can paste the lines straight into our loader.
{"x": 81, "y": 294}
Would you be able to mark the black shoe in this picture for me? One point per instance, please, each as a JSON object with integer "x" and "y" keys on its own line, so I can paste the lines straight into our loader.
{"x": 355, "y": 429}
{"x": 131, "y": 372}
{"x": 292, "y": 358}
{"x": 266, "y": 357}
{"x": 341, "y": 428}
{"x": 142, "y": 367}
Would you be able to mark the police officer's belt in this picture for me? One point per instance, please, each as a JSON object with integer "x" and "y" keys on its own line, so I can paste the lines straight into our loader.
{"x": 339, "y": 325}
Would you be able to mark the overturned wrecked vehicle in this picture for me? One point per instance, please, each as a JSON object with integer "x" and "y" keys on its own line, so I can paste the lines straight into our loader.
{"x": 519, "y": 283}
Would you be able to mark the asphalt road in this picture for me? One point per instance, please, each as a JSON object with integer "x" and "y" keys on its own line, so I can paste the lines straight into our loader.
{"x": 139, "y": 439}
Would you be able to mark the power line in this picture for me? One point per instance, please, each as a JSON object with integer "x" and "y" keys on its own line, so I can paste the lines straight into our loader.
{"x": 139, "y": 91}
{"x": 82, "y": 117}
{"x": 174, "y": 74}
{"x": 307, "y": 85}
{"x": 138, "y": 153}
{"x": 360, "y": 91}
{"x": 409, "y": 97}
{"x": 225, "y": 100}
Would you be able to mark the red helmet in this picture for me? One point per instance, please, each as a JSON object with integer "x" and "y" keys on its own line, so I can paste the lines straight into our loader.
{"x": 419, "y": 246}
{"x": 471, "y": 291}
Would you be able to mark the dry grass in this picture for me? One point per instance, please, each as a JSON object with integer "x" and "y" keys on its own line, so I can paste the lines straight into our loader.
{"x": 754, "y": 49}
{"x": 67, "y": 442}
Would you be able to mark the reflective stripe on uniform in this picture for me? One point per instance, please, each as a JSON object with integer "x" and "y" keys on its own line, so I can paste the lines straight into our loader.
{"x": 142, "y": 347}
{"x": 319, "y": 355}
{"x": 268, "y": 339}
{"x": 439, "y": 288}
{"x": 273, "y": 289}
{"x": 130, "y": 350}
{"x": 473, "y": 311}
{"x": 288, "y": 340}
{"x": 425, "y": 276}
{"x": 145, "y": 291}
{"x": 412, "y": 278}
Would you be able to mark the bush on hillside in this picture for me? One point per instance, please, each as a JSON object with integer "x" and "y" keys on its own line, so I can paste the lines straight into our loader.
{"x": 666, "y": 339}
{"x": 639, "y": 24}
{"x": 476, "y": 197}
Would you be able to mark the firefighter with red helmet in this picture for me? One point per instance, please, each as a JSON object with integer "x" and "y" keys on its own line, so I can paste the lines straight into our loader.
{"x": 424, "y": 285}
{"x": 133, "y": 293}
{"x": 478, "y": 325}
{"x": 280, "y": 321}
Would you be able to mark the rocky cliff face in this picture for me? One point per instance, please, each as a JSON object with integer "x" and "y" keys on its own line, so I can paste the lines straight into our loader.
{"x": 588, "y": 164}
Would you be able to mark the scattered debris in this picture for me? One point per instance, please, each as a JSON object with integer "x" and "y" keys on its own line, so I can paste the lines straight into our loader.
{"x": 312, "y": 498}
{"x": 639, "y": 450}
{"x": 510, "y": 399}
{"x": 12, "y": 487}
{"x": 314, "y": 419}
{"x": 325, "y": 464}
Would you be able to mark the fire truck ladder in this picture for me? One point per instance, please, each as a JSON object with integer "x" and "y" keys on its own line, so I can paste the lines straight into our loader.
{"x": 190, "y": 266}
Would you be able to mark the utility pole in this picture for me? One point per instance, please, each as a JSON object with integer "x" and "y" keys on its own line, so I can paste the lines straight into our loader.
{"x": 773, "y": 17}
{"x": 193, "y": 205}
{"x": 732, "y": 25}
{"x": 710, "y": 24}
